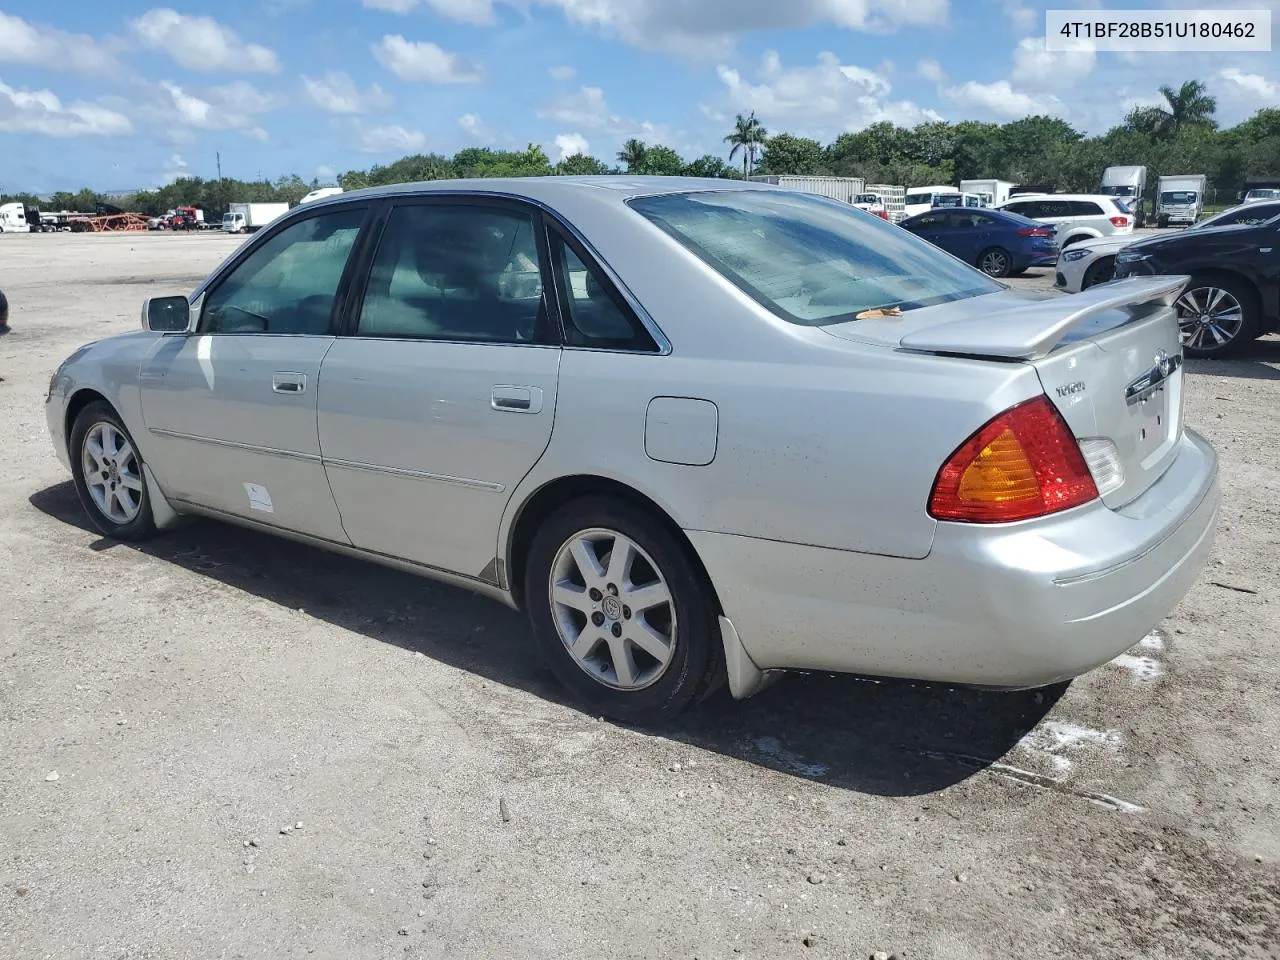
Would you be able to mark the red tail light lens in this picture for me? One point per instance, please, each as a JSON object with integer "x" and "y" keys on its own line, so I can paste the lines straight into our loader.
{"x": 1119, "y": 221}
{"x": 1024, "y": 463}
{"x": 1035, "y": 232}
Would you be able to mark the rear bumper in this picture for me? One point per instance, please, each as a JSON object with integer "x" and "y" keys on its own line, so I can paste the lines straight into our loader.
{"x": 1015, "y": 605}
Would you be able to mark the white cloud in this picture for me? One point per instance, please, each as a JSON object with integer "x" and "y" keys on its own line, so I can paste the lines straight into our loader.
{"x": 389, "y": 139}
{"x": 1040, "y": 69}
{"x": 338, "y": 93}
{"x": 570, "y": 143}
{"x": 235, "y": 106}
{"x": 1253, "y": 84}
{"x": 823, "y": 100}
{"x": 40, "y": 111}
{"x": 563, "y": 72}
{"x": 708, "y": 28}
{"x": 175, "y": 169}
{"x": 326, "y": 172}
{"x": 1001, "y": 99}
{"x": 391, "y": 6}
{"x": 931, "y": 70}
{"x": 477, "y": 12}
{"x": 1021, "y": 16}
{"x": 424, "y": 61}
{"x": 201, "y": 43}
{"x": 22, "y": 42}
{"x": 472, "y": 124}
{"x": 585, "y": 108}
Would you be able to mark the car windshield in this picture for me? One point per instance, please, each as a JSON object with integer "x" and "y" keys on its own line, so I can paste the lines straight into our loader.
{"x": 1178, "y": 196}
{"x": 948, "y": 200}
{"x": 915, "y": 199}
{"x": 1242, "y": 216}
{"x": 866, "y": 198}
{"x": 1262, "y": 195}
{"x": 811, "y": 260}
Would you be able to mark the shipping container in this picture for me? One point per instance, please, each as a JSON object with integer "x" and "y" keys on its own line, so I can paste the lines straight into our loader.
{"x": 837, "y": 188}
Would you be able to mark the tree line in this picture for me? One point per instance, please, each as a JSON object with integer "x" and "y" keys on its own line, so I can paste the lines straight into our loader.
{"x": 1179, "y": 137}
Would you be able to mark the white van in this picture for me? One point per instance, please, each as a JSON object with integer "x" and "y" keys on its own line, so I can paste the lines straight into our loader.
{"x": 969, "y": 200}
{"x": 923, "y": 199}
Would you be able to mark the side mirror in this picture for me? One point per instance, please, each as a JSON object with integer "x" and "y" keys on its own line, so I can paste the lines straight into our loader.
{"x": 166, "y": 314}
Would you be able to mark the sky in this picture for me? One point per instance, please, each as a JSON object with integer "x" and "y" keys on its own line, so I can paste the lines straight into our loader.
{"x": 129, "y": 94}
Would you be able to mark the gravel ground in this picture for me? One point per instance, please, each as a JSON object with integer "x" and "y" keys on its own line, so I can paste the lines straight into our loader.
{"x": 226, "y": 745}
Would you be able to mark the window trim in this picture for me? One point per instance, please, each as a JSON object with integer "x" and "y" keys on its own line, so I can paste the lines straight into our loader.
{"x": 558, "y": 236}
{"x": 265, "y": 236}
{"x": 349, "y": 322}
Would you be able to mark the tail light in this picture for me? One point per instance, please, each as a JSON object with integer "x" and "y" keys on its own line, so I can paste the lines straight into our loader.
{"x": 1024, "y": 463}
{"x": 1119, "y": 221}
{"x": 1034, "y": 232}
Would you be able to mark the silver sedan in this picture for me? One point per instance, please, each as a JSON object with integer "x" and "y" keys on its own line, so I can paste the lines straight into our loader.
{"x": 701, "y": 431}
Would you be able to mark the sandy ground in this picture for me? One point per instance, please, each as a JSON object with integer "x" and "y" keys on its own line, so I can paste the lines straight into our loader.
{"x": 199, "y": 695}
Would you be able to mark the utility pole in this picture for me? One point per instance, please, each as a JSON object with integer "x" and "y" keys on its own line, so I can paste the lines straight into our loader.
{"x": 218, "y": 155}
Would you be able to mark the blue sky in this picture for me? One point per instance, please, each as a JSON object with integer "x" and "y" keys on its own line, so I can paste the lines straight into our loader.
{"x": 121, "y": 94}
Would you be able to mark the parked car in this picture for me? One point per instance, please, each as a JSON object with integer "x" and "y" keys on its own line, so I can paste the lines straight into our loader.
{"x": 998, "y": 243}
{"x": 1233, "y": 295}
{"x": 1089, "y": 262}
{"x": 1075, "y": 217}
{"x": 1247, "y": 213}
{"x": 920, "y": 199}
{"x": 872, "y": 203}
{"x": 697, "y": 429}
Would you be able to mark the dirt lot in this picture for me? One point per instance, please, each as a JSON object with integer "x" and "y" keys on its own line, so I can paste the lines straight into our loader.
{"x": 197, "y": 696}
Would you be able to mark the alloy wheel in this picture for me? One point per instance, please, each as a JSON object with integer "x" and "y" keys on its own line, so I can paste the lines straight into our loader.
{"x": 1208, "y": 318}
{"x": 612, "y": 609}
{"x": 995, "y": 263}
{"x": 112, "y": 473}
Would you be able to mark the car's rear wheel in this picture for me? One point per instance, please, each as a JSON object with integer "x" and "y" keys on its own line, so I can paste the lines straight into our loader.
{"x": 1100, "y": 271}
{"x": 623, "y": 614}
{"x": 107, "y": 470}
{"x": 995, "y": 262}
{"x": 1216, "y": 316}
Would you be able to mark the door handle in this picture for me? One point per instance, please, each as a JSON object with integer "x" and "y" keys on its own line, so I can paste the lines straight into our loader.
{"x": 289, "y": 383}
{"x": 506, "y": 398}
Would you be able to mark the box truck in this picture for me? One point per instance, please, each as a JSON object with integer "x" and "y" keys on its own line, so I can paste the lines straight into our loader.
{"x": 837, "y": 188}
{"x": 1180, "y": 199}
{"x": 992, "y": 192}
{"x": 248, "y": 217}
{"x": 1128, "y": 184}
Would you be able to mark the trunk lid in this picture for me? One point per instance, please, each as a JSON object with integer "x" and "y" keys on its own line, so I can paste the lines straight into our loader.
{"x": 1110, "y": 360}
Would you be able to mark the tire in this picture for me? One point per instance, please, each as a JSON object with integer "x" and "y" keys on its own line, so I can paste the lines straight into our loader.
{"x": 1076, "y": 239}
{"x": 1162, "y": 222}
{"x": 622, "y": 679}
{"x": 995, "y": 262}
{"x": 1100, "y": 271}
{"x": 1217, "y": 316}
{"x": 114, "y": 495}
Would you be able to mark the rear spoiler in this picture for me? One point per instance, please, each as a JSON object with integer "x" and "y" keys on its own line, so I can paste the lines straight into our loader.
{"x": 1029, "y": 331}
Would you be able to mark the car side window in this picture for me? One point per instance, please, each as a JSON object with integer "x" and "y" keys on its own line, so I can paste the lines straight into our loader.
{"x": 1085, "y": 208}
{"x": 927, "y": 221}
{"x": 289, "y": 283}
{"x": 1025, "y": 209}
{"x": 595, "y": 315}
{"x": 457, "y": 272}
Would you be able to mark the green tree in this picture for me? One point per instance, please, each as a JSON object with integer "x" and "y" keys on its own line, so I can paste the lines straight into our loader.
{"x": 708, "y": 166}
{"x": 785, "y": 154}
{"x": 662, "y": 161}
{"x": 581, "y": 165}
{"x": 748, "y": 138}
{"x": 1188, "y": 106}
{"x": 633, "y": 154}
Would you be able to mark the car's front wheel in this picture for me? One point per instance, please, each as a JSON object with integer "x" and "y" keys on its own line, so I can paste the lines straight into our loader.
{"x": 1216, "y": 316}
{"x": 995, "y": 262}
{"x": 107, "y": 470}
{"x": 623, "y": 614}
{"x": 1100, "y": 271}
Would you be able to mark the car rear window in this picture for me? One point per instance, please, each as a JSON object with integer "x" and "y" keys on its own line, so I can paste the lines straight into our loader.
{"x": 811, "y": 260}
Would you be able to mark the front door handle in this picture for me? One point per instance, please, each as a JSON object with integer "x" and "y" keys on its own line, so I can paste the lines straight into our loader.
{"x": 507, "y": 398}
{"x": 291, "y": 384}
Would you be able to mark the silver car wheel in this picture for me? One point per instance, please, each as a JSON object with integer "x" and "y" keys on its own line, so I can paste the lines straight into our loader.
{"x": 112, "y": 473}
{"x": 995, "y": 263}
{"x": 1209, "y": 317}
{"x": 612, "y": 609}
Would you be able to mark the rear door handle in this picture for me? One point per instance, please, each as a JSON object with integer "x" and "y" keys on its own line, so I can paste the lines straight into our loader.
{"x": 289, "y": 383}
{"x": 507, "y": 398}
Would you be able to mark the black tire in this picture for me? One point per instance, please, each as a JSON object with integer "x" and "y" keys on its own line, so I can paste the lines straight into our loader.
{"x": 995, "y": 262}
{"x": 1076, "y": 239}
{"x": 1162, "y": 222}
{"x": 696, "y": 653}
{"x": 1100, "y": 271}
{"x": 1196, "y": 291}
{"x": 142, "y": 526}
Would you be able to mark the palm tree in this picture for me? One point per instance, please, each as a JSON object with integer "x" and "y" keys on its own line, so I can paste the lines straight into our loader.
{"x": 1188, "y": 106}
{"x": 748, "y": 136}
{"x": 633, "y": 154}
